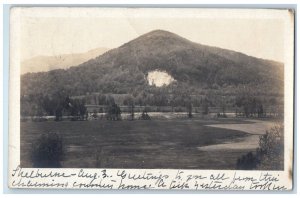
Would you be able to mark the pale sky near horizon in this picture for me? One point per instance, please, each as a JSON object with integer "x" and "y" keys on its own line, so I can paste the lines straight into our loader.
{"x": 52, "y": 35}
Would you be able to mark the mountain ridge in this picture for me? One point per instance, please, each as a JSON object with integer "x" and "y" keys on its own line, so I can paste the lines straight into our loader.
{"x": 63, "y": 61}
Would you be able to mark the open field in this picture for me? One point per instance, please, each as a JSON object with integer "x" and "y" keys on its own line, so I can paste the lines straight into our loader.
{"x": 178, "y": 144}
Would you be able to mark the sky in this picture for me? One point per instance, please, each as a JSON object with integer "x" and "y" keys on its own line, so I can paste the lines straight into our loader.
{"x": 55, "y": 32}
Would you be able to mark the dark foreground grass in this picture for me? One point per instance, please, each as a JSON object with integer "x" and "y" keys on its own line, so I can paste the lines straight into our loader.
{"x": 170, "y": 144}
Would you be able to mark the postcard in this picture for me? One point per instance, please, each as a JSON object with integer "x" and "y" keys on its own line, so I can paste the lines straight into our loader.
{"x": 151, "y": 98}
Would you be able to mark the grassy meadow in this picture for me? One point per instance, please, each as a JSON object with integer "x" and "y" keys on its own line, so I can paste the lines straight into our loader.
{"x": 168, "y": 144}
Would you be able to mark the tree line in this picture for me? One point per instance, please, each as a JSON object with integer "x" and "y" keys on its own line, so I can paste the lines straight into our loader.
{"x": 62, "y": 104}
{"x": 57, "y": 105}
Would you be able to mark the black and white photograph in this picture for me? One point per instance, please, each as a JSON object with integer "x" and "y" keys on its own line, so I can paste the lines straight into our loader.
{"x": 149, "y": 88}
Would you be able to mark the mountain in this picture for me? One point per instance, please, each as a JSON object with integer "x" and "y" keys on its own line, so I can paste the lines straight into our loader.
{"x": 64, "y": 61}
{"x": 196, "y": 69}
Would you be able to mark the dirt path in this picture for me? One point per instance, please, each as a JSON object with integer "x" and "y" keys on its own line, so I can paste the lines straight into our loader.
{"x": 256, "y": 129}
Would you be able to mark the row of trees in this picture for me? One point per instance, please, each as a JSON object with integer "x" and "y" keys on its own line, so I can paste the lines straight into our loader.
{"x": 248, "y": 106}
{"x": 59, "y": 103}
{"x": 64, "y": 105}
{"x": 157, "y": 99}
{"x": 251, "y": 106}
{"x": 53, "y": 106}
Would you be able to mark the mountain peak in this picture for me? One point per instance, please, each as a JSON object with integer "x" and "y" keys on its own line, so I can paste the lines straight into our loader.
{"x": 160, "y": 33}
{"x": 159, "y": 39}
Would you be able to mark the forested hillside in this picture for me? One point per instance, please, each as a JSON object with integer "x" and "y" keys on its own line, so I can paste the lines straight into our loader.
{"x": 203, "y": 75}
